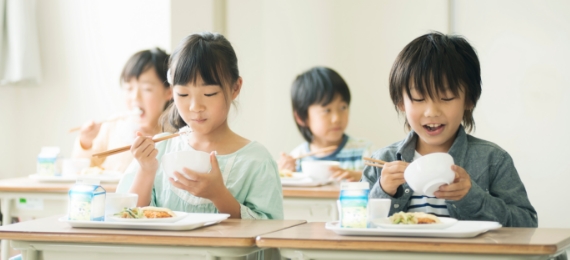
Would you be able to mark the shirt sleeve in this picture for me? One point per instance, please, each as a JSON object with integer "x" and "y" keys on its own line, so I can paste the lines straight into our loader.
{"x": 506, "y": 201}
{"x": 265, "y": 197}
{"x": 100, "y": 144}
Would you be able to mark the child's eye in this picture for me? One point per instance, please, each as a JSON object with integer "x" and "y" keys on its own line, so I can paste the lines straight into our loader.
{"x": 344, "y": 107}
{"x": 211, "y": 94}
{"x": 418, "y": 99}
{"x": 448, "y": 99}
{"x": 181, "y": 95}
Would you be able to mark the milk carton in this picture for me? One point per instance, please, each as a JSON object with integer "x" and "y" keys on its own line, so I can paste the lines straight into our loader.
{"x": 87, "y": 201}
{"x": 49, "y": 161}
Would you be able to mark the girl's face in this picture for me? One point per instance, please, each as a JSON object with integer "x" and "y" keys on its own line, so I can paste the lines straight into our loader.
{"x": 327, "y": 123}
{"x": 148, "y": 94}
{"x": 203, "y": 107}
{"x": 435, "y": 121}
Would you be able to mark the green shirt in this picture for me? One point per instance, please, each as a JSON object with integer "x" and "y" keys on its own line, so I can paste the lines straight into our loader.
{"x": 250, "y": 174}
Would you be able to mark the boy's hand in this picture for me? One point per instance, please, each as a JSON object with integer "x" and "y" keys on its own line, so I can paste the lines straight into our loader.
{"x": 340, "y": 174}
{"x": 87, "y": 133}
{"x": 204, "y": 185}
{"x": 458, "y": 189}
{"x": 144, "y": 152}
{"x": 392, "y": 176}
{"x": 286, "y": 162}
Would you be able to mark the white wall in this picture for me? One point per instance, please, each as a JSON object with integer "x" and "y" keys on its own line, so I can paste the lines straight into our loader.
{"x": 524, "y": 51}
{"x": 522, "y": 46}
{"x": 277, "y": 40}
{"x": 83, "y": 45}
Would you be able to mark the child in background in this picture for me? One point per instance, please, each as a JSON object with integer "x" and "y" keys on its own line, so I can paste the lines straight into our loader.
{"x": 146, "y": 88}
{"x": 436, "y": 82}
{"x": 243, "y": 180}
{"x": 321, "y": 100}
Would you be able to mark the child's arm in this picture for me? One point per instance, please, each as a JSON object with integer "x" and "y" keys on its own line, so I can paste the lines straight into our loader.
{"x": 505, "y": 201}
{"x": 144, "y": 151}
{"x": 287, "y": 162}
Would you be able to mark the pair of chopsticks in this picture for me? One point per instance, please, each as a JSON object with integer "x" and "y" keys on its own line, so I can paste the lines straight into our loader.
{"x": 77, "y": 128}
{"x": 128, "y": 147}
{"x": 373, "y": 162}
{"x": 322, "y": 150}
{"x": 125, "y": 115}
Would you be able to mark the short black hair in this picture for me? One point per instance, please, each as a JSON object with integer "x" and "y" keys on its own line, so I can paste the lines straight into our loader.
{"x": 208, "y": 55}
{"x": 434, "y": 62}
{"x": 144, "y": 60}
{"x": 318, "y": 85}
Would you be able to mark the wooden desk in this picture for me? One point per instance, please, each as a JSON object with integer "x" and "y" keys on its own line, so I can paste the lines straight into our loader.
{"x": 311, "y": 203}
{"x": 43, "y": 199}
{"x": 48, "y": 238}
{"x": 313, "y": 241}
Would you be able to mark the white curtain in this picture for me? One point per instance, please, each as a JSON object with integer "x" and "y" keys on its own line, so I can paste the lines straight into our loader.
{"x": 19, "y": 45}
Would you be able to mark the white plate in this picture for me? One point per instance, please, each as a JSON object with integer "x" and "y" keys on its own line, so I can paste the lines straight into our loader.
{"x": 303, "y": 182}
{"x": 461, "y": 229}
{"x": 178, "y": 216}
{"x": 107, "y": 176}
{"x": 386, "y": 223}
{"x": 296, "y": 177}
{"x": 191, "y": 221}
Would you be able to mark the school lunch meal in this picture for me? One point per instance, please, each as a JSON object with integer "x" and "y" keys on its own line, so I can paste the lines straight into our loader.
{"x": 145, "y": 212}
{"x": 412, "y": 218}
{"x": 92, "y": 171}
{"x": 285, "y": 174}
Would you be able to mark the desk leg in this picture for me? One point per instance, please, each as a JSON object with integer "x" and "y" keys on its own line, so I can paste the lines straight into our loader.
{"x": 6, "y": 220}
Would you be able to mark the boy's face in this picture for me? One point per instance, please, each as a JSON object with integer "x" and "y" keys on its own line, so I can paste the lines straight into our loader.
{"x": 435, "y": 121}
{"x": 327, "y": 123}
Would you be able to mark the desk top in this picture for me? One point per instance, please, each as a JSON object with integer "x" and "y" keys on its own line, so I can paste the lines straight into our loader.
{"x": 522, "y": 241}
{"x": 331, "y": 191}
{"x": 229, "y": 233}
{"x": 31, "y": 185}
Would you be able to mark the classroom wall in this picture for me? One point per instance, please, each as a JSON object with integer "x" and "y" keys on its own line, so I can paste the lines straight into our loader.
{"x": 525, "y": 105}
{"x": 83, "y": 46}
{"x": 522, "y": 46}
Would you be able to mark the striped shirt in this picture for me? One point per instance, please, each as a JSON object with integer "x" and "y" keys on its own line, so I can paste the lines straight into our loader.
{"x": 423, "y": 203}
{"x": 349, "y": 153}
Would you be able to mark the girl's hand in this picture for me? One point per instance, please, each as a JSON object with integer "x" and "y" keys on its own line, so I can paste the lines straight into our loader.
{"x": 87, "y": 133}
{"x": 286, "y": 162}
{"x": 392, "y": 176}
{"x": 145, "y": 153}
{"x": 209, "y": 185}
{"x": 342, "y": 174}
{"x": 458, "y": 189}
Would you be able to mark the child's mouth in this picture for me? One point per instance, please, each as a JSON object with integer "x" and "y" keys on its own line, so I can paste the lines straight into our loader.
{"x": 434, "y": 129}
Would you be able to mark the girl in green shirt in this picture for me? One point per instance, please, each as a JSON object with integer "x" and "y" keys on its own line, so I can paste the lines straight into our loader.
{"x": 244, "y": 181}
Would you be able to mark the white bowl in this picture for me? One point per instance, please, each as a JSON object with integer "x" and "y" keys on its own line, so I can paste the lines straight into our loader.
{"x": 115, "y": 202}
{"x": 74, "y": 166}
{"x": 194, "y": 160}
{"x": 427, "y": 173}
{"x": 318, "y": 170}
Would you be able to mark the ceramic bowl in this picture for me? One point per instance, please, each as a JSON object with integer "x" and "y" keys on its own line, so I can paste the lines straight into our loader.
{"x": 115, "y": 202}
{"x": 426, "y": 174}
{"x": 318, "y": 170}
{"x": 194, "y": 160}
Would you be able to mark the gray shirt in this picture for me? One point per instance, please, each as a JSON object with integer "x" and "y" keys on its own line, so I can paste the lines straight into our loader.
{"x": 497, "y": 192}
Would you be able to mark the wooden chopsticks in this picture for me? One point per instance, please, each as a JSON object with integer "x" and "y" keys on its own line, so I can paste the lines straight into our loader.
{"x": 128, "y": 147}
{"x": 77, "y": 128}
{"x": 322, "y": 150}
{"x": 373, "y": 162}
